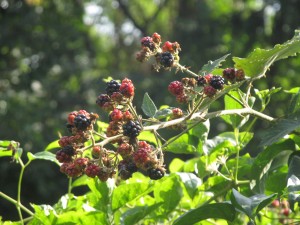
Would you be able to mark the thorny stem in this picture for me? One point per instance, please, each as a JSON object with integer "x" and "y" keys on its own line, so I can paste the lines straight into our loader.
{"x": 236, "y": 134}
{"x": 186, "y": 70}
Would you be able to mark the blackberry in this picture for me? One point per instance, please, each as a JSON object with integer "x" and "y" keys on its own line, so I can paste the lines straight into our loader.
{"x": 229, "y": 74}
{"x": 166, "y": 59}
{"x": 176, "y": 88}
{"x": 132, "y": 129}
{"x": 127, "y": 88}
{"x": 240, "y": 75}
{"x": 209, "y": 91}
{"x": 156, "y": 173}
{"x": 81, "y": 122}
{"x": 148, "y": 42}
{"x": 201, "y": 81}
{"x": 92, "y": 170}
{"x": 217, "y": 82}
{"x": 126, "y": 169}
{"x": 70, "y": 127}
{"x": 112, "y": 86}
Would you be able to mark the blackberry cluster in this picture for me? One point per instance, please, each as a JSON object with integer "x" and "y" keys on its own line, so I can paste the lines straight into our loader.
{"x": 217, "y": 82}
{"x": 166, "y": 59}
{"x": 232, "y": 75}
{"x": 81, "y": 122}
{"x": 112, "y": 86}
{"x": 132, "y": 129}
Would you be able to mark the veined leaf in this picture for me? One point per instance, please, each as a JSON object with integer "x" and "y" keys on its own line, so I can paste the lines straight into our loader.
{"x": 217, "y": 210}
{"x": 211, "y": 65}
{"x": 148, "y": 106}
{"x": 257, "y": 63}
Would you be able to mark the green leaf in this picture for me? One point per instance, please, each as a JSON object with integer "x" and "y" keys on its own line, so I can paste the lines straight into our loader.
{"x": 134, "y": 215}
{"x": 216, "y": 211}
{"x": 263, "y": 162}
{"x": 52, "y": 145}
{"x": 148, "y": 106}
{"x": 294, "y": 105}
{"x": 201, "y": 130}
{"x": 265, "y": 95}
{"x": 163, "y": 113}
{"x": 125, "y": 193}
{"x": 81, "y": 181}
{"x": 294, "y": 190}
{"x": 279, "y": 130}
{"x": 211, "y": 65}
{"x": 257, "y": 63}
{"x": 147, "y": 136}
{"x": 42, "y": 155}
{"x": 191, "y": 183}
{"x": 181, "y": 145}
{"x": 250, "y": 206}
{"x": 168, "y": 191}
{"x": 176, "y": 165}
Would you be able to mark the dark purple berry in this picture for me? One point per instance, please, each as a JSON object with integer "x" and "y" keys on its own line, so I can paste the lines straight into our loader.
{"x": 132, "y": 129}
{"x": 166, "y": 59}
{"x": 217, "y": 82}
{"x": 112, "y": 86}
{"x": 156, "y": 173}
{"x": 81, "y": 122}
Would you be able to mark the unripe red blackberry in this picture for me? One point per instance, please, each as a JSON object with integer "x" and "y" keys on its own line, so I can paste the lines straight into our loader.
{"x": 156, "y": 173}
{"x": 116, "y": 115}
{"x": 141, "y": 157}
{"x": 125, "y": 150}
{"x": 132, "y": 129}
{"x": 176, "y": 88}
{"x": 209, "y": 91}
{"x": 229, "y": 74}
{"x": 177, "y": 113}
{"x": 217, "y": 82}
{"x": 112, "y": 86}
{"x": 81, "y": 122}
{"x": 64, "y": 141}
{"x": 182, "y": 98}
{"x": 127, "y": 116}
{"x": 92, "y": 170}
{"x": 127, "y": 88}
{"x": 166, "y": 59}
{"x": 167, "y": 46}
{"x": 240, "y": 75}
{"x": 71, "y": 117}
{"x": 285, "y": 211}
{"x": 72, "y": 170}
{"x": 117, "y": 97}
{"x": 145, "y": 145}
{"x": 81, "y": 163}
{"x": 102, "y": 99}
{"x": 104, "y": 174}
{"x": 156, "y": 38}
{"x": 96, "y": 152}
{"x": 148, "y": 42}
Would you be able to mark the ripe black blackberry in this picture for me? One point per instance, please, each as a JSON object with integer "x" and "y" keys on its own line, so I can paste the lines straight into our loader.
{"x": 112, "y": 86}
{"x": 156, "y": 173}
{"x": 65, "y": 154}
{"x": 102, "y": 99}
{"x": 166, "y": 59}
{"x": 201, "y": 81}
{"x": 148, "y": 42}
{"x": 217, "y": 82}
{"x": 81, "y": 122}
{"x": 126, "y": 169}
{"x": 132, "y": 129}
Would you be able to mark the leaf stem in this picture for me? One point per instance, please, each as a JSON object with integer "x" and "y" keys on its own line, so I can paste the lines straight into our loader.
{"x": 13, "y": 201}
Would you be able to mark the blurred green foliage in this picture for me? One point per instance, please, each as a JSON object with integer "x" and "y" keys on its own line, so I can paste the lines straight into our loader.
{"x": 54, "y": 55}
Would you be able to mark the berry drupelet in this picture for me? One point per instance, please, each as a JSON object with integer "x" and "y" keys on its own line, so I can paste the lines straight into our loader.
{"x": 166, "y": 59}
{"x": 81, "y": 122}
{"x": 217, "y": 82}
{"x": 156, "y": 173}
{"x": 112, "y": 86}
{"x": 132, "y": 129}
{"x": 176, "y": 88}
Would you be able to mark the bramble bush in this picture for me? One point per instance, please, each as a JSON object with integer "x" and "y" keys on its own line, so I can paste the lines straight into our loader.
{"x": 122, "y": 161}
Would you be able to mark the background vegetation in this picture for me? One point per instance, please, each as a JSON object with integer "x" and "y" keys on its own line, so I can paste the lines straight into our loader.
{"x": 54, "y": 55}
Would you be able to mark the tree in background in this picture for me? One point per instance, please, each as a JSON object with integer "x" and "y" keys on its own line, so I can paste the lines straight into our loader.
{"x": 51, "y": 50}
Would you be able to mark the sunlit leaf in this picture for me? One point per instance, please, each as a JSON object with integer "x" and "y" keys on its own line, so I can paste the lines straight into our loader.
{"x": 216, "y": 211}
{"x": 211, "y": 65}
{"x": 148, "y": 106}
{"x": 260, "y": 59}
